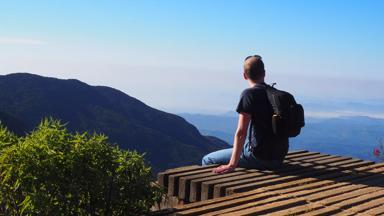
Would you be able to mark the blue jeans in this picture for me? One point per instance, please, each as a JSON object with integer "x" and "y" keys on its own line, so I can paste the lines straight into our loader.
{"x": 246, "y": 160}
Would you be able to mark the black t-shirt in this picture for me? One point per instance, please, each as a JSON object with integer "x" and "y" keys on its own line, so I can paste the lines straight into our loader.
{"x": 254, "y": 101}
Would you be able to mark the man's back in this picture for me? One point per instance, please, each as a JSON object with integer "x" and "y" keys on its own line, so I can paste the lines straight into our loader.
{"x": 266, "y": 146}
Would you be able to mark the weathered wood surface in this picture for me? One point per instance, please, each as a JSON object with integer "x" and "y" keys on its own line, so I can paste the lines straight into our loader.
{"x": 309, "y": 183}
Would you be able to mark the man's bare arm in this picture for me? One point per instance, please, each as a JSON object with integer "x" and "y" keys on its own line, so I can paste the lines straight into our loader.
{"x": 238, "y": 143}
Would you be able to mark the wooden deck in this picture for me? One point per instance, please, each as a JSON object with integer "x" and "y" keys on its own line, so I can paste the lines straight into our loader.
{"x": 309, "y": 183}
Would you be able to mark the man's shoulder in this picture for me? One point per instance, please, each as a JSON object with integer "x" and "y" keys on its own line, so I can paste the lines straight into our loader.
{"x": 246, "y": 91}
{"x": 252, "y": 91}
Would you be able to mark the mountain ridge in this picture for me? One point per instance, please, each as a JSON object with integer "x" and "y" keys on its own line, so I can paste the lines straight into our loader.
{"x": 169, "y": 140}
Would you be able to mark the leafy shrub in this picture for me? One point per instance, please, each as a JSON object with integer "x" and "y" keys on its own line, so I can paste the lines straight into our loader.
{"x": 53, "y": 172}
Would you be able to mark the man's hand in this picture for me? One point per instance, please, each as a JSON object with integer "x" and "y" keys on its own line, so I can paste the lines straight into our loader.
{"x": 224, "y": 169}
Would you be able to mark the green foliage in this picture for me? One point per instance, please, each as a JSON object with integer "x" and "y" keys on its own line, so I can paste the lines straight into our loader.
{"x": 54, "y": 172}
{"x": 6, "y": 138}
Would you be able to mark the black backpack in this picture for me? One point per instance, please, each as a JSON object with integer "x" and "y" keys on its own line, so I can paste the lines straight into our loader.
{"x": 288, "y": 116}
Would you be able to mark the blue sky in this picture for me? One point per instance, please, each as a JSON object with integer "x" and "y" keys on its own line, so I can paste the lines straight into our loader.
{"x": 186, "y": 55}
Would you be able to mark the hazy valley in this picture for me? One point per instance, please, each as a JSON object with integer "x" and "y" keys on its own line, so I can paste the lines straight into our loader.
{"x": 355, "y": 136}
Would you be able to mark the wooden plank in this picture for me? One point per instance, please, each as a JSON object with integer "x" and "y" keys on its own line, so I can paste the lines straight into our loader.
{"x": 173, "y": 179}
{"x": 256, "y": 203}
{"x": 296, "y": 186}
{"x": 242, "y": 186}
{"x": 293, "y": 195}
{"x": 303, "y": 184}
{"x": 208, "y": 187}
{"x": 169, "y": 176}
{"x": 308, "y": 161}
{"x": 185, "y": 182}
{"x": 230, "y": 202}
{"x": 341, "y": 195}
{"x": 303, "y": 154}
{"x": 296, "y": 152}
{"x": 366, "y": 206}
{"x": 378, "y": 210}
{"x": 195, "y": 184}
{"x": 306, "y": 156}
{"x": 347, "y": 199}
{"x": 348, "y": 192}
{"x": 335, "y": 186}
{"x": 311, "y": 162}
{"x": 325, "y": 201}
{"x": 162, "y": 176}
{"x": 313, "y": 209}
{"x": 220, "y": 191}
{"x": 215, "y": 201}
{"x": 362, "y": 199}
{"x": 309, "y": 207}
{"x": 368, "y": 171}
{"x": 316, "y": 182}
{"x": 269, "y": 208}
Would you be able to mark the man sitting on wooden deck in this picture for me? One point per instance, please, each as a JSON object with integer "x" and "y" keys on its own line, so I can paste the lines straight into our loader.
{"x": 265, "y": 151}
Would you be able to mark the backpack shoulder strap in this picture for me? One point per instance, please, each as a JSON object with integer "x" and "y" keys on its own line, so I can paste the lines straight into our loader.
{"x": 273, "y": 99}
{"x": 250, "y": 136}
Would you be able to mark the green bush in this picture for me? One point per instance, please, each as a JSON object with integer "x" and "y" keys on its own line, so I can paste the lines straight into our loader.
{"x": 53, "y": 172}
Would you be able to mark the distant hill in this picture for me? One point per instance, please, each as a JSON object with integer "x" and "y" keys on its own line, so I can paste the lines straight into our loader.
{"x": 168, "y": 139}
{"x": 222, "y": 126}
{"x": 12, "y": 124}
{"x": 354, "y": 136}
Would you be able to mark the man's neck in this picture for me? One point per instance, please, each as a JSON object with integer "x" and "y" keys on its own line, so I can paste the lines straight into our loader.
{"x": 252, "y": 83}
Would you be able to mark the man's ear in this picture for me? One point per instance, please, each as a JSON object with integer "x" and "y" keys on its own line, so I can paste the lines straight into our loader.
{"x": 245, "y": 76}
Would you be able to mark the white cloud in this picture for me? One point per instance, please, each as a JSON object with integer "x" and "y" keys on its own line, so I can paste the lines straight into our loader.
{"x": 21, "y": 41}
